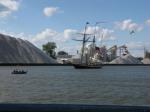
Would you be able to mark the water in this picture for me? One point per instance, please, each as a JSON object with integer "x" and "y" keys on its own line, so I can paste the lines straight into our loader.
{"x": 117, "y": 85}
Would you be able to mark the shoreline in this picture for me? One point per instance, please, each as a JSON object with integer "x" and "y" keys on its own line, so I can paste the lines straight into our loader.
{"x": 45, "y": 64}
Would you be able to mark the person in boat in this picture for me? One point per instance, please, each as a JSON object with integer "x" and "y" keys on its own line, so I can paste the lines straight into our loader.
{"x": 16, "y": 70}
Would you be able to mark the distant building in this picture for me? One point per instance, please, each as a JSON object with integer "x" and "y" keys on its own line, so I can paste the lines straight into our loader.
{"x": 112, "y": 53}
{"x": 146, "y": 54}
{"x": 63, "y": 57}
{"x": 123, "y": 50}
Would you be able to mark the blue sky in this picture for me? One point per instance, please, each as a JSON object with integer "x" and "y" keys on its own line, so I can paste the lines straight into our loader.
{"x": 40, "y": 21}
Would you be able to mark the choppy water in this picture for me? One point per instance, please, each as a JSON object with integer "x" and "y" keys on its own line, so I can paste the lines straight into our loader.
{"x": 124, "y": 85}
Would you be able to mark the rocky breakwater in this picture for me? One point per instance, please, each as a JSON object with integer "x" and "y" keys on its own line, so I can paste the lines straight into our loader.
{"x": 16, "y": 50}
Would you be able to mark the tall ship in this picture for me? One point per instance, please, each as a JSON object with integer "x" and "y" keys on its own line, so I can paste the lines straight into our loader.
{"x": 88, "y": 57}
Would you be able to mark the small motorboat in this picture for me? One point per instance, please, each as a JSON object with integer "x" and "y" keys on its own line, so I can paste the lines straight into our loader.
{"x": 19, "y": 72}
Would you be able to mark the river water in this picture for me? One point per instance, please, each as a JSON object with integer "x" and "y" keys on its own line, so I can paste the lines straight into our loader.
{"x": 111, "y": 85}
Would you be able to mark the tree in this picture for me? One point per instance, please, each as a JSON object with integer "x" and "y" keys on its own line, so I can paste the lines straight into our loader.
{"x": 62, "y": 53}
{"x": 49, "y": 48}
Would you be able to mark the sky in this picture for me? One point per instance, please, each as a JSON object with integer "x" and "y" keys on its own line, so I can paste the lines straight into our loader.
{"x": 60, "y": 21}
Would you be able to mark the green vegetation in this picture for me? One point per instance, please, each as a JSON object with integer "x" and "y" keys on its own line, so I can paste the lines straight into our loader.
{"x": 49, "y": 48}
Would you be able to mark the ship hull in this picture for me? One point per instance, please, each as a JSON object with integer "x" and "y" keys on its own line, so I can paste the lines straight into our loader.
{"x": 80, "y": 66}
{"x": 19, "y": 72}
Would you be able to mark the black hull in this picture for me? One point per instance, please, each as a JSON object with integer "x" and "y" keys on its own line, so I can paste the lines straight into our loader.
{"x": 78, "y": 66}
{"x": 17, "y": 72}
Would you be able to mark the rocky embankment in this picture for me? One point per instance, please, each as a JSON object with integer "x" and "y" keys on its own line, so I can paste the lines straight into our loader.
{"x": 15, "y": 50}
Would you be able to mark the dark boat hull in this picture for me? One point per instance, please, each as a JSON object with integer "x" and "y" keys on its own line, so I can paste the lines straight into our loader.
{"x": 79, "y": 66}
{"x": 18, "y": 72}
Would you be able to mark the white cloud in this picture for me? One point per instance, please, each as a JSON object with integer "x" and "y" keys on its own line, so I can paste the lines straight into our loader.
{"x": 60, "y": 38}
{"x": 50, "y": 11}
{"x": 16, "y": 35}
{"x": 44, "y": 35}
{"x": 137, "y": 48}
{"x": 135, "y": 45}
{"x": 8, "y": 6}
{"x": 129, "y": 25}
{"x": 92, "y": 30}
{"x": 138, "y": 45}
{"x": 107, "y": 34}
{"x": 70, "y": 34}
{"x": 148, "y": 22}
{"x": 100, "y": 33}
{"x": 51, "y": 35}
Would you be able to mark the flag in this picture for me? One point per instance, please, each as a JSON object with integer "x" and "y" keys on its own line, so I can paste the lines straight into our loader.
{"x": 97, "y": 49}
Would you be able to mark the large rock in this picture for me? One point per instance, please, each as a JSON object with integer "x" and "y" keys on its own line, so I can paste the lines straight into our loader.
{"x": 127, "y": 59}
{"x": 15, "y": 50}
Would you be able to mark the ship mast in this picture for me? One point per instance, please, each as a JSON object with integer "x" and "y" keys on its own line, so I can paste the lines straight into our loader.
{"x": 84, "y": 41}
